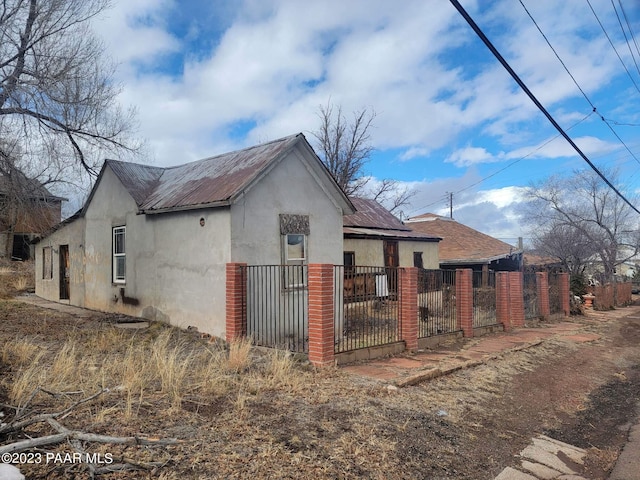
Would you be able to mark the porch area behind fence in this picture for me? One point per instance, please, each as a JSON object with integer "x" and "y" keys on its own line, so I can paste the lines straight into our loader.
{"x": 340, "y": 314}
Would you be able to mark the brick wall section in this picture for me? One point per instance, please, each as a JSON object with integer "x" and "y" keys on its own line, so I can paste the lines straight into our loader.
{"x": 563, "y": 283}
{"x": 503, "y": 300}
{"x": 464, "y": 301}
{"x": 321, "y": 315}
{"x": 236, "y": 298}
{"x": 408, "y": 288}
{"x": 542, "y": 289}
{"x": 516, "y": 299}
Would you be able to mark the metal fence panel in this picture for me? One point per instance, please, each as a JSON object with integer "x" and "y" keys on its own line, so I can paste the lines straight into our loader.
{"x": 484, "y": 299}
{"x": 370, "y": 307}
{"x": 555, "y": 305}
{"x": 530, "y": 292}
{"x": 277, "y": 306}
{"x": 436, "y": 302}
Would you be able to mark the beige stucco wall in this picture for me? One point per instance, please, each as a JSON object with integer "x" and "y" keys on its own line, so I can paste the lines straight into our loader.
{"x": 72, "y": 235}
{"x": 289, "y": 188}
{"x": 370, "y": 252}
{"x": 174, "y": 266}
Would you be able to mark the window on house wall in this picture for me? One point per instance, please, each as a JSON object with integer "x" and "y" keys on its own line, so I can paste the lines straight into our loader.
{"x": 119, "y": 255}
{"x": 349, "y": 261}
{"x": 417, "y": 260}
{"x": 295, "y": 258}
{"x": 47, "y": 263}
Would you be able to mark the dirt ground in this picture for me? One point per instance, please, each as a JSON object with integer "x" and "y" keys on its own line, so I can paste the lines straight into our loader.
{"x": 328, "y": 424}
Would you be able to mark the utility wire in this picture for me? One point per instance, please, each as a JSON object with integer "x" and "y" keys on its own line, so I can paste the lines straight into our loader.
{"x": 613, "y": 46}
{"x": 533, "y": 98}
{"x": 624, "y": 33}
{"x": 575, "y": 81}
{"x": 626, "y": 19}
{"x": 540, "y": 147}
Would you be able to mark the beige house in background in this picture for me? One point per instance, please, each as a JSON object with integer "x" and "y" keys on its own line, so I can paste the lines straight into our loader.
{"x": 154, "y": 242}
{"x": 374, "y": 237}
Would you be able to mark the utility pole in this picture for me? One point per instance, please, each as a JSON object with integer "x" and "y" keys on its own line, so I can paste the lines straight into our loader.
{"x": 450, "y": 194}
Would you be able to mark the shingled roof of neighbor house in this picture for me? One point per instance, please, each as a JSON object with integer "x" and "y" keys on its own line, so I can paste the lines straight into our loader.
{"x": 373, "y": 220}
{"x": 210, "y": 182}
{"x": 461, "y": 244}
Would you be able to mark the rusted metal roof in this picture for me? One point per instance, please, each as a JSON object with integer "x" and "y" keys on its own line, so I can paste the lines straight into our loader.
{"x": 370, "y": 214}
{"x": 373, "y": 220}
{"x": 208, "y": 182}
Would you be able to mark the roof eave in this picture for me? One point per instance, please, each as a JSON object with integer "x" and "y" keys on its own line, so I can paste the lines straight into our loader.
{"x": 201, "y": 206}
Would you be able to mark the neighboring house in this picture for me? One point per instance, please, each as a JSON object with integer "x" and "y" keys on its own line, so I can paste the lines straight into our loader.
{"x": 154, "y": 242}
{"x": 464, "y": 247}
{"x": 27, "y": 210}
{"x": 374, "y": 237}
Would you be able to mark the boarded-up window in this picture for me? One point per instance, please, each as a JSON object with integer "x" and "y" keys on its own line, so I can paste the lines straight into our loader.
{"x": 47, "y": 263}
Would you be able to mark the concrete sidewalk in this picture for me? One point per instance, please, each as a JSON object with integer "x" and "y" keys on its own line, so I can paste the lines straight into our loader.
{"x": 413, "y": 368}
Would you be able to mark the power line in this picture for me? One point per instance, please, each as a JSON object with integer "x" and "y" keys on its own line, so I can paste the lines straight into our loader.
{"x": 613, "y": 46}
{"x": 540, "y": 147}
{"x": 624, "y": 33}
{"x": 533, "y": 98}
{"x": 626, "y": 19}
{"x": 575, "y": 81}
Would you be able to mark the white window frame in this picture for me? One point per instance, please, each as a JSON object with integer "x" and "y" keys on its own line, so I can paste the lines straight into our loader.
{"x": 289, "y": 262}
{"x": 119, "y": 277}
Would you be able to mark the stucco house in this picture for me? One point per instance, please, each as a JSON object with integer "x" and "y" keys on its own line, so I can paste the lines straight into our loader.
{"x": 154, "y": 242}
{"x": 373, "y": 236}
{"x": 465, "y": 247}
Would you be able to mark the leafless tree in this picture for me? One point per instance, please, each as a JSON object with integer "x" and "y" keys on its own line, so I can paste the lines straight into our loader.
{"x": 566, "y": 244}
{"x": 585, "y": 208}
{"x": 345, "y": 148}
{"x": 57, "y": 93}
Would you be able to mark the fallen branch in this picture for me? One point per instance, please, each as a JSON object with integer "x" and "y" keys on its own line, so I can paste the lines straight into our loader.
{"x": 71, "y": 435}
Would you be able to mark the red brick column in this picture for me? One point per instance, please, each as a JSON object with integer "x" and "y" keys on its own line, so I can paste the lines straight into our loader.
{"x": 542, "y": 290}
{"x": 563, "y": 285}
{"x": 516, "y": 299}
{"x": 321, "y": 314}
{"x": 502, "y": 300}
{"x": 236, "y": 301}
{"x": 408, "y": 288}
{"x": 464, "y": 301}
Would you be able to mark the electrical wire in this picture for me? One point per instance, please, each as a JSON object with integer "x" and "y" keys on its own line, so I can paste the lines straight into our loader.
{"x": 540, "y": 147}
{"x": 613, "y": 46}
{"x": 533, "y": 98}
{"x": 626, "y": 19}
{"x": 624, "y": 33}
{"x": 574, "y": 79}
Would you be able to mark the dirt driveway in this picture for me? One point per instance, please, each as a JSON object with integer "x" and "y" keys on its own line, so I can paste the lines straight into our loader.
{"x": 469, "y": 424}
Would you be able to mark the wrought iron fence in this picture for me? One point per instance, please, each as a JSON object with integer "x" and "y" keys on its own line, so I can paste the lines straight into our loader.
{"x": 277, "y": 306}
{"x": 369, "y": 307}
{"x": 530, "y": 294}
{"x": 436, "y": 302}
{"x": 555, "y": 305}
{"x": 484, "y": 299}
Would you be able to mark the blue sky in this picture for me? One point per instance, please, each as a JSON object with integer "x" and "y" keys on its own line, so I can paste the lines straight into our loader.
{"x": 209, "y": 77}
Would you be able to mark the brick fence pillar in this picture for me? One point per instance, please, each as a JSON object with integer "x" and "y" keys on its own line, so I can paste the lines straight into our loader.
{"x": 564, "y": 287}
{"x": 542, "y": 291}
{"x": 516, "y": 299}
{"x": 321, "y": 315}
{"x": 236, "y": 301}
{"x": 464, "y": 301}
{"x": 502, "y": 300}
{"x": 408, "y": 288}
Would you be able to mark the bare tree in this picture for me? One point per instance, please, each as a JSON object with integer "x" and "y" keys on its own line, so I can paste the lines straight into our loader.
{"x": 345, "y": 148}
{"x": 566, "y": 244}
{"x": 57, "y": 94}
{"x": 583, "y": 206}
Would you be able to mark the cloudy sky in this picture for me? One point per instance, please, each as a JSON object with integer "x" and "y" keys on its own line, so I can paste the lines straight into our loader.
{"x": 211, "y": 76}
